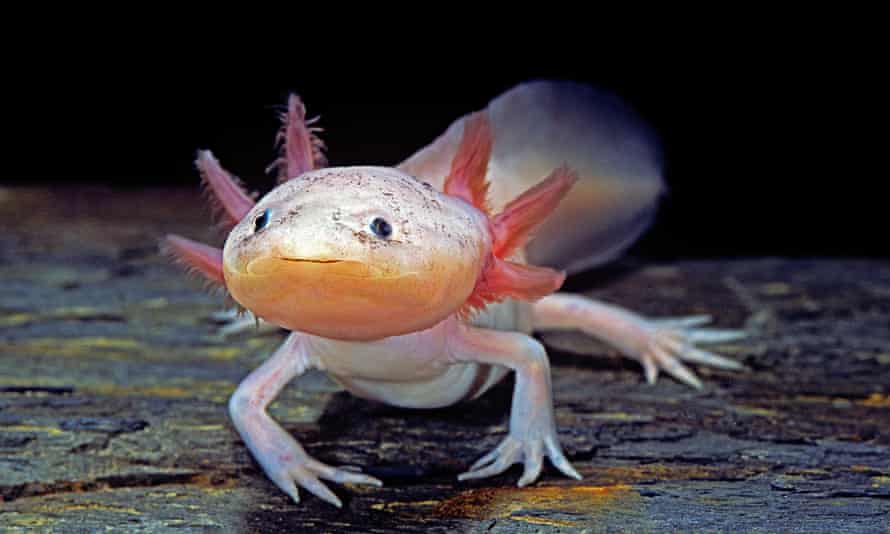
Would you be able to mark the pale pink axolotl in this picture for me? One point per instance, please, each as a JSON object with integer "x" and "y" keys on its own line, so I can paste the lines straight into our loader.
{"x": 416, "y": 285}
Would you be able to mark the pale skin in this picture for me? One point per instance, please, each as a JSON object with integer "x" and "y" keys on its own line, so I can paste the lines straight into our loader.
{"x": 532, "y": 433}
{"x": 387, "y": 316}
{"x": 451, "y": 343}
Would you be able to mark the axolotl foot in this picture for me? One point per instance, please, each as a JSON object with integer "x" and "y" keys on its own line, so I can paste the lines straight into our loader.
{"x": 529, "y": 451}
{"x": 294, "y": 468}
{"x": 658, "y": 344}
{"x": 672, "y": 341}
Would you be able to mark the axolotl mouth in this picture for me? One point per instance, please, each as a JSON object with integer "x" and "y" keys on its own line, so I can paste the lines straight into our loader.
{"x": 304, "y": 268}
{"x": 300, "y": 260}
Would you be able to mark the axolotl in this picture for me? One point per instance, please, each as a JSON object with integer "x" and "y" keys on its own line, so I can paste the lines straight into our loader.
{"x": 420, "y": 285}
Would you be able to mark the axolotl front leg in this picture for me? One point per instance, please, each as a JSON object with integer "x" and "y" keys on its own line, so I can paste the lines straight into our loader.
{"x": 282, "y": 458}
{"x": 532, "y": 432}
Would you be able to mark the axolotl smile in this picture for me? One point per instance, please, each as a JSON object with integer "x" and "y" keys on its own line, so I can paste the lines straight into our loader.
{"x": 356, "y": 253}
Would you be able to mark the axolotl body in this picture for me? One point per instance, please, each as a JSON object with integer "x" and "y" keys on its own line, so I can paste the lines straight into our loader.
{"x": 420, "y": 285}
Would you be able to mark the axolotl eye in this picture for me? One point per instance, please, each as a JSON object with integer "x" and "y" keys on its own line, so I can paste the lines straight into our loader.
{"x": 381, "y": 228}
{"x": 262, "y": 221}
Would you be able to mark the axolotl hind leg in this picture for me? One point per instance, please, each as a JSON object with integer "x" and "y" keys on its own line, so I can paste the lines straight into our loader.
{"x": 659, "y": 345}
{"x": 279, "y": 454}
{"x": 532, "y": 432}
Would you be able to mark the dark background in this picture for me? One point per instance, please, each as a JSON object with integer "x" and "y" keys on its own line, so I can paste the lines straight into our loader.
{"x": 753, "y": 137}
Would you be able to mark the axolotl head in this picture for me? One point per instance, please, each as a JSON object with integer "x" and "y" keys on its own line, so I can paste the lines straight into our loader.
{"x": 363, "y": 253}
{"x": 356, "y": 253}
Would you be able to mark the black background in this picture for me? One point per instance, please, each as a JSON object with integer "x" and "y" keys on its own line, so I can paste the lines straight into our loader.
{"x": 757, "y": 140}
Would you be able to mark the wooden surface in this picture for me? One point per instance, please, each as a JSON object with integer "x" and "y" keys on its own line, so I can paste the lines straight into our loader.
{"x": 113, "y": 386}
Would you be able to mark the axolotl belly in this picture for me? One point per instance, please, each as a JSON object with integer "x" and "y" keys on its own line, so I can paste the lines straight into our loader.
{"x": 420, "y": 285}
{"x": 406, "y": 370}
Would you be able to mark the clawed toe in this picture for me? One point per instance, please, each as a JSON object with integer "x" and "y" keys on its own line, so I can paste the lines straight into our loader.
{"x": 495, "y": 462}
{"x": 534, "y": 461}
{"x": 672, "y": 366}
{"x": 320, "y": 490}
{"x": 235, "y": 322}
{"x": 703, "y": 335}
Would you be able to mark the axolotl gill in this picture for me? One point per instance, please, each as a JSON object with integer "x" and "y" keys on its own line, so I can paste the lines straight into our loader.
{"x": 420, "y": 285}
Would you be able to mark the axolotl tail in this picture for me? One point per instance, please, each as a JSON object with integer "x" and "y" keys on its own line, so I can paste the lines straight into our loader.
{"x": 541, "y": 125}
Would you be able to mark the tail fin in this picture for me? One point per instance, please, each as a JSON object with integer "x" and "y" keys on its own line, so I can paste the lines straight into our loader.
{"x": 536, "y": 127}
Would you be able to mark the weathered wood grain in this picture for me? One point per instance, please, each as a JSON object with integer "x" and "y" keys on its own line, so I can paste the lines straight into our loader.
{"x": 113, "y": 386}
